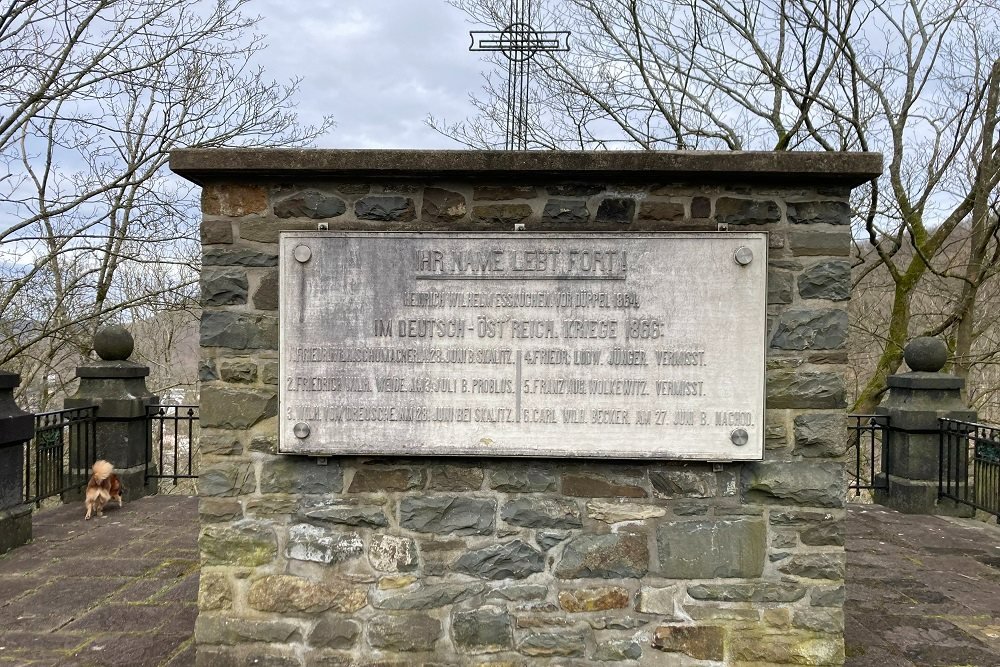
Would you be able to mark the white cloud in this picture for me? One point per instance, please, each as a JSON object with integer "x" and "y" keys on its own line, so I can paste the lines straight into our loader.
{"x": 379, "y": 66}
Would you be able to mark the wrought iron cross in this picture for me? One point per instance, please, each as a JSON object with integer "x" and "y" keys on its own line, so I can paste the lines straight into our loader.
{"x": 519, "y": 42}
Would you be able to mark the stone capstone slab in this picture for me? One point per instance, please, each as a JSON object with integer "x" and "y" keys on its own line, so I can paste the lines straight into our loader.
{"x": 811, "y": 330}
{"x": 486, "y": 629}
{"x": 613, "y": 556}
{"x": 541, "y": 513}
{"x": 456, "y": 515}
{"x": 284, "y": 593}
{"x": 321, "y": 545}
{"x": 512, "y": 560}
{"x": 310, "y": 204}
{"x": 403, "y": 632}
{"x": 712, "y": 549}
{"x": 246, "y": 543}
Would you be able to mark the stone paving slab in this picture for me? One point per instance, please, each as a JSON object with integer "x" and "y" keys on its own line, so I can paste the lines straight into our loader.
{"x": 119, "y": 591}
{"x": 921, "y": 590}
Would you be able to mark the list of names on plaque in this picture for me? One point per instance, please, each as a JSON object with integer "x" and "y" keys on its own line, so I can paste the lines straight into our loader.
{"x": 579, "y": 345}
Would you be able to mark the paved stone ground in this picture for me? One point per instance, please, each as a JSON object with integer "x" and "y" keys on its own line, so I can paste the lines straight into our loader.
{"x": 119, "y": 591}
{"x": 122, "y": 590}
{"x": 921, "y": 590}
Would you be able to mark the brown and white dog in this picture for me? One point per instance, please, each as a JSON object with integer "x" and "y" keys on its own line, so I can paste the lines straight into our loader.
{"x": 102, "y": 487}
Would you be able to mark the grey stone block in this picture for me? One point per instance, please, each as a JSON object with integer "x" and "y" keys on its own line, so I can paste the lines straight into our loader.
{"x": 310, "y": 204}
{"x": 826, "y": 280}
{"x": 820, "y": 484}
{"x": 448, "y": 515}
{"x": 565, "y": 210}
{"x": 239, "y": 331}
{"x": 385, "y": 208}
{"x": 712, "y": 549}
{"x": 811, "y": 330}
{"x": 225, "y": 288}
{"x": 512, "y": 560}
{"x": 605, "y": 556}
{"x": 483, "y": 630}
{"x": 541, "y": 513}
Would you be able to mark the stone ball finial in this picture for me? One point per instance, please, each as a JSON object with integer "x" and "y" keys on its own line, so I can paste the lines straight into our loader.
{"x": 925, "y": 354}
{"x": 113, "y": 343}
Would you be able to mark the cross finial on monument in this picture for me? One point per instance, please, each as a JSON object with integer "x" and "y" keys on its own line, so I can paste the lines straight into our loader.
{"x": 519, "y": 42}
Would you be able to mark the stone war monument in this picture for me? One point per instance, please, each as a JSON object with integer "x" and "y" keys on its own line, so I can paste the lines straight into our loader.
{"x": 523, "y": 408}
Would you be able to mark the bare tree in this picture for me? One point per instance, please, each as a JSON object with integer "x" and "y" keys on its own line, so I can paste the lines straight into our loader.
{"x": 914, "y": 79}
{"x": 93, "y": 96}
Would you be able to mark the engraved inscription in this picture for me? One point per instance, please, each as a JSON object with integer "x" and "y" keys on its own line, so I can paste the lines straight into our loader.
{"x": 633, "y": 346}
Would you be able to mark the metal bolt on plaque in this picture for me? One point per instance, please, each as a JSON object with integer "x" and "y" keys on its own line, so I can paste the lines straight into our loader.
{"x": 301, "y": 430}
{"x": 743, "y": 255}
{"x": 302, "y": 253}
{"x": 739, "y": 436}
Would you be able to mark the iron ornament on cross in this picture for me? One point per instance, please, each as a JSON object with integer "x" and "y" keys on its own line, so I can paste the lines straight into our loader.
{"x": 519, "y": 42}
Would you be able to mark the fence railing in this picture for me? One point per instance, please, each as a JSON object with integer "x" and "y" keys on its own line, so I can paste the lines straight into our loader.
{"x": 170, "y": 448}
{"x": 868, "y": 453}
{"x": 59, "y": 457}
{"x": 970, "y": 464}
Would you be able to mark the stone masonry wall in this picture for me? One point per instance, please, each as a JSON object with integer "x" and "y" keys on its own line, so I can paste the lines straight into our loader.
{"x": 521, "y": 562}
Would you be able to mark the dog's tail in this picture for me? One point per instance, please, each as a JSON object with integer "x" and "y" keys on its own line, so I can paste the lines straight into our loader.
{"x": 103, "y": 470}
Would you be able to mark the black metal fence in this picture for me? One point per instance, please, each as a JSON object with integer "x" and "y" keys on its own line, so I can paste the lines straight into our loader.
{"x": 868, "y": 453}
{"x": 970, "y": 464}
{"x": 170, "y": 448}
{"x": 58, "y": 459}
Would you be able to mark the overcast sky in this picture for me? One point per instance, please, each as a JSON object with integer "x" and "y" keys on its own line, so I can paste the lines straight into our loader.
{"x": 379, "y": 66}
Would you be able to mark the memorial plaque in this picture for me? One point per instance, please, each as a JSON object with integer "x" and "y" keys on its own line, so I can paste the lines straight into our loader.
{"x": 523, "y": 344}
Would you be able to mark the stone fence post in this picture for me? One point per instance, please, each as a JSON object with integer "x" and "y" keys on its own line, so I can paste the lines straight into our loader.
{"x": 118, "y": 387}
{"x": 915, "y": 402}
{"x": 16, "y": 429}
